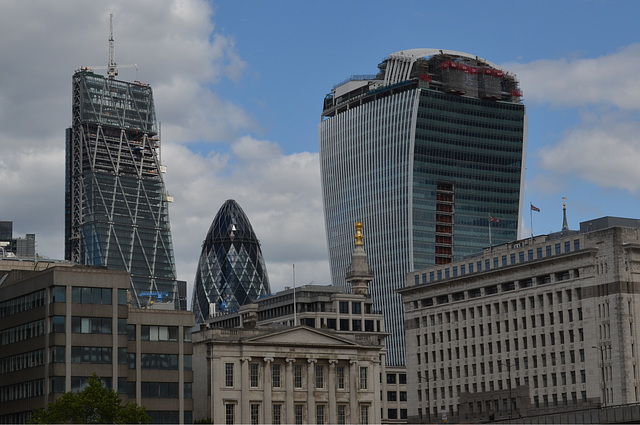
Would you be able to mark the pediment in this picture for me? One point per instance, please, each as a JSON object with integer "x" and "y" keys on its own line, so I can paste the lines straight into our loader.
{"x": 303, "y": 336}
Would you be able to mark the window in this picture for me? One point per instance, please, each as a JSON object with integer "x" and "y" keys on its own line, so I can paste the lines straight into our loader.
{"x": 255, "y": 413}
{"x": 391, "y": 378}
{"x": 131, "y": 332}
{"x": 277, "y": 414}
{"x": 230, "y": 414}
{"x": 254, "y": 369}
{"x": 392, "y": 396}
{"x": 403, "y": 395}
{"x": 344, "y": 307}
{"x": 228, "y": 374}
{"x": 319, "y": 376}
{"x": 340, "y": 376}
{"x": 342, "y": 414}
{"x": 364, "y": 414}
{"x": 402, "y": 378}
{"x": 158, "y": 333}
{"x": 320, "y": 414}
{"x": 91, "y": 325}
{"x": 275, "y": 375}
{"x": 297, "y": 376}
{"x": 363, "y": 378}
{"x": 58, "y": 324}
{"x": 298, "y": 413}
{"x": 59, "y": 294}
{"x": 356, "y": 307}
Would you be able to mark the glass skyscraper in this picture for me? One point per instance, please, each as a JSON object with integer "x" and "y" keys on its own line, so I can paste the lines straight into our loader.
{"x": 231, "y": 270}
{"x": 116, "y": 205}
{"x": 428, "y": 153}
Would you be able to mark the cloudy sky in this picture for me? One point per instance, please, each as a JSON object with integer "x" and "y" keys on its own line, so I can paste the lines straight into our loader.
{"x": 239, "y": 86}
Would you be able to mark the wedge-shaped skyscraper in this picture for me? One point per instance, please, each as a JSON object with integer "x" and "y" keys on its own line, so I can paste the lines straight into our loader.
{"x": 423, "y": 153}
{"x": 231, "y": 270}
{"x": 116, "y": 205}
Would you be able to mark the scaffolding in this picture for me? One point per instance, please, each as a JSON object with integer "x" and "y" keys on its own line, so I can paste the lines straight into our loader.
{"x": 116, "y": 202}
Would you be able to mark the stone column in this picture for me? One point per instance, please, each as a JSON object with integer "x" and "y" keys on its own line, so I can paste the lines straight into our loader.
{"x": 289, "y": 409}
{"x": 268, "y": 385}
{"x": 333, "y": 408}
{"x": 311, "y": 387}
{"x": 245, "y": 409}
{"x": 353, "y": 391}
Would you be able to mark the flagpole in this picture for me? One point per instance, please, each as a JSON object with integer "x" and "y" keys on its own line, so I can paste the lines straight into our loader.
{"x": 531, "y": 220}
{"x": 294, "y": 296}
{"x": 490, "y": 244}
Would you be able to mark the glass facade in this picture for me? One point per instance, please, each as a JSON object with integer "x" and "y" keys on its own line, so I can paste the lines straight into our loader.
{"x": 231, "y": 271}
{"x": 422, "y": 155}
{"x": 116, "y": 206}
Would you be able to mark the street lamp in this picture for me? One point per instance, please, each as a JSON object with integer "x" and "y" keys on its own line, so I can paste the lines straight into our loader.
{"x": 426, "y": 375}
{"x": 604, "y": 384}
{"x": 510, "y": 399}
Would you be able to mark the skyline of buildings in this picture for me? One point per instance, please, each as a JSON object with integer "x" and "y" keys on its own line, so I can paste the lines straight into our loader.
{"x": 231, "y": 270}
{"x": 424, "y": 153}
{"x": 116, "y": 212}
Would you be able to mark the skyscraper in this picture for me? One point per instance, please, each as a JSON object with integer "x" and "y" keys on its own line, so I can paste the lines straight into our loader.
{"x": 231, "y": 270}
{"x": 428, "y": 153}
{"x": 116, "y": 205}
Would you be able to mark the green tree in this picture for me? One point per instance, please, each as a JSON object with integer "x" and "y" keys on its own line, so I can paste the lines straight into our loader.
{"x": 95, "y": 404}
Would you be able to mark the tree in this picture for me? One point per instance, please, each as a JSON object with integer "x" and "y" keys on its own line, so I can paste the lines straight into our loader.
{"x": 95, "y": 404}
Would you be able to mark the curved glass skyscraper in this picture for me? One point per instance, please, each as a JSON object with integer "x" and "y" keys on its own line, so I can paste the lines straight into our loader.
{"x": 231, "y": 270}
{"x": 423, "y": 153}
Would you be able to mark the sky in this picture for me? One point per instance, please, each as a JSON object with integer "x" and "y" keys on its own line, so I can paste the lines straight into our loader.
{"x": 239, "y": 85}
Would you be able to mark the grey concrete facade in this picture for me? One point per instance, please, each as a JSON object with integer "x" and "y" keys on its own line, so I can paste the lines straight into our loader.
{"x": 60, "y": 325}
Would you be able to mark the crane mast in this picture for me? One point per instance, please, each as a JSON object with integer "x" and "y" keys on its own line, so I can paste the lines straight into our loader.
{"x": 112, "y": 69}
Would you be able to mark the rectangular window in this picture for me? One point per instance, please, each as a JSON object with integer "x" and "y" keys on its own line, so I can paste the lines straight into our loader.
{"x": 255, "y": 414}
{"x": 342, "y": 414}
{"x": 363, "y": 378}
{"x": 254, "y": 375}
{"x": 228, "y": 374}
{"x": 297, "y": 376}
{"x": 576, "y": 245}
{"x": 340, "y": 376}
{"x": 298, "y": 413}
{"x": 275, "y": 375}
{"x": 277, "y": 414}
{"x": 344, "y": 307}
{"x": 59, "y": 294}
{"x": 230, "y": 414}
{"x": 356, "y": 307}
{"x": 319, "y": 376}
{"x": 539, "y": 252}
{"x": 320, "y": 414}
{"x": 364, "y": 414}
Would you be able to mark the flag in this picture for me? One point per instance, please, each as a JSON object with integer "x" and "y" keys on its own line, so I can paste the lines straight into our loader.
{"x": 495, "y": 220}
{"x": 534, "y": 208}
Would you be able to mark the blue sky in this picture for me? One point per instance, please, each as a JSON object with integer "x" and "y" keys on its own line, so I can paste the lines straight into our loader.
{"x": 239, "y": 86}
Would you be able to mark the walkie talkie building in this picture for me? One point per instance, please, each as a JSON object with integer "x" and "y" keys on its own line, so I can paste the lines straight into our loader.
{"x": 116, "y": 205}
{"x": 422, "y": 153}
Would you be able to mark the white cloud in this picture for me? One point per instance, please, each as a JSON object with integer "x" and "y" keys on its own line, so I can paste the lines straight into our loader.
{"x": 603, "y": 150}
{"x": 606, "y": 80}
{"x": 603, "y": 147}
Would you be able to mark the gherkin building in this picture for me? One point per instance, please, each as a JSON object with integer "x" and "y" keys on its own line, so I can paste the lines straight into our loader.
{"x": 231, "y": 270}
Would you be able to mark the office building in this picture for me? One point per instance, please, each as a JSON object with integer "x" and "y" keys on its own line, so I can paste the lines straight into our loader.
{"x": 231, "y": 270}
{"x": 423, "y": 153}
{"x": 11, "y": 247}
{"x": 116, "y": 204}
{"x": 537, "y": 326}
{"x": 60, "y": 325}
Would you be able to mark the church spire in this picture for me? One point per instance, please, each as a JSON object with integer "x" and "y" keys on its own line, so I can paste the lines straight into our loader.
{"x": 359, "y": 275}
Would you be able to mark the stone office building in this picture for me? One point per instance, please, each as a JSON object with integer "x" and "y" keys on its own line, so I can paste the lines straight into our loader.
{"x": 540, "y": 325}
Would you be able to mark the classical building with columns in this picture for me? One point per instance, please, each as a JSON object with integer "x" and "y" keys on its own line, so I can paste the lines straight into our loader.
{"x": 293, "y": 375}
{"x": 332, "y": 340}
{"x": 537, "y": 326}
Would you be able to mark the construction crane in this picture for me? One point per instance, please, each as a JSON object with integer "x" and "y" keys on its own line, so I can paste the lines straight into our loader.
{"x": 112, "y": 68}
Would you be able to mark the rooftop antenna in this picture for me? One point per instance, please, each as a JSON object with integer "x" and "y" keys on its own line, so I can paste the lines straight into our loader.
{"x": 112, "y": 69}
